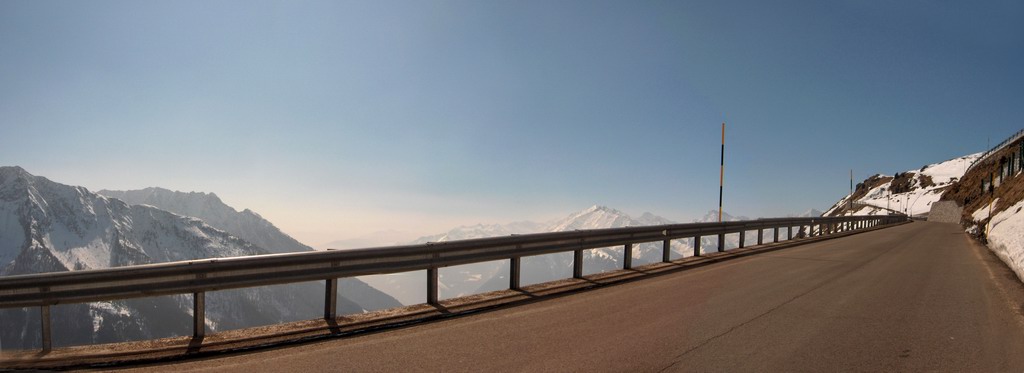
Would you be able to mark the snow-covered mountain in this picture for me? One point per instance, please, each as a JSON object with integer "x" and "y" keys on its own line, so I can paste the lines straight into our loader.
{"x": 911, "y": 192}
{"x": 712, "y": 216}
{"x": 810, "y": 213}
{"x": 247, "y": 224}
{"x": 490, "y": 276}
{"x": 483, "y": 230}
{"x": 51, "y": 227}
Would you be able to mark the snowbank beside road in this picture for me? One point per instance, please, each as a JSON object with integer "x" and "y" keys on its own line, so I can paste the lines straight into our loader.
{"x": 1006, "y": 237}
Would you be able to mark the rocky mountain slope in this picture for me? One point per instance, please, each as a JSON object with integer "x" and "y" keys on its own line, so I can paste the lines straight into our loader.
{"x": 46, "y": 226}
{"x": 911, "y": 192}
{"x": 247, "y": 224}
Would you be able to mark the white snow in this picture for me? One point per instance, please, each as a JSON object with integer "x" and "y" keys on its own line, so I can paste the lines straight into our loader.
{"x": 983, "y": 212}
{"x": 919, "y": 199}
{"x": 98, "y": 309}
{"x": 1006, "y": 237}
{"x": 944, "y": 172}
{"x": 868, "y": 210}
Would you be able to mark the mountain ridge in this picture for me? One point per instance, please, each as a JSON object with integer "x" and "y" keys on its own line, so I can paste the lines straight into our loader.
{"x": 49, "y": 227}
{"x": 247, "y": 224}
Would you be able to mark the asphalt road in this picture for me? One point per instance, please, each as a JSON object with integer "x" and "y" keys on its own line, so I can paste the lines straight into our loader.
{"x": 917, "y": 297}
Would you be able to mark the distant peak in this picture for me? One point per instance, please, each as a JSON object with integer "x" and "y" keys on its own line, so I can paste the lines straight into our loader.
{"x": 157, "y": 190}
{"x": 596, "y": 208}
{"x": 251, "y": 212}
{"x": 210, "y": 196}
{"x": 14, "y": 170}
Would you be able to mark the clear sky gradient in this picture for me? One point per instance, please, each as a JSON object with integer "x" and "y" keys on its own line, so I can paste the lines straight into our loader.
{"x": 336, "y": 119}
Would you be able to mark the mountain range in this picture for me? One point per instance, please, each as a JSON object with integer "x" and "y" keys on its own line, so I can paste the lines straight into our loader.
{"x": 489, "y": 276}
{"x": 46, "y": 226}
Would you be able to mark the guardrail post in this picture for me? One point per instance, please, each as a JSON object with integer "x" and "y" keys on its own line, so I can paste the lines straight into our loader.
{"x": 331, "y": 299}
{"x": 198, "y": 314}
{"x": 666, "y": 251}
{"x": 514, "y": 266}
{"x": 743, "y": 235}
{"x": 721, "y": 242}
{"x": 432, "y": 286}
{"x": 696, "y": 246}
{"x": 627, "y": 256}
{"x": 760, "y": 236}
{"x": 789, "y": 233}
{"x": 44, "y": 324}
{"x": 577, "y": 264}
{"x": 775, "y": 234}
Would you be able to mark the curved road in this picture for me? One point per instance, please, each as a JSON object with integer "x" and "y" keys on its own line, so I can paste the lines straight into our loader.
{"x": 917, "y": 297}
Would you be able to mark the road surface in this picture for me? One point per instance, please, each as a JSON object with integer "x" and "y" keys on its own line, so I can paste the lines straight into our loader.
{"x": 917, "y": 297}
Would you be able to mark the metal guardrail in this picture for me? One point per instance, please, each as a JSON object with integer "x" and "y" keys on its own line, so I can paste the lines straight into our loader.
{"x": 995, "y": 149}
{"x": 200, "y": 276}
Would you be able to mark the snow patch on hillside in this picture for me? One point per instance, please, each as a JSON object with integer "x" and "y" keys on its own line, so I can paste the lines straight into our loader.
{"x": 918, "y": 199}
{"x": 1006, "y": 236}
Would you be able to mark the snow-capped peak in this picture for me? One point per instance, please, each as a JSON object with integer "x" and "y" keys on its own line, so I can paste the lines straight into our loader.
{"x": 247, "y": 224}
{"x": 594, "y": 217}
{"x": 712, "y": 217}
{"x": 46, "y": 226}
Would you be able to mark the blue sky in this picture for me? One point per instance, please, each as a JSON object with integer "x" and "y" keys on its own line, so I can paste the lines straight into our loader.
{"x": 336, "y": 119}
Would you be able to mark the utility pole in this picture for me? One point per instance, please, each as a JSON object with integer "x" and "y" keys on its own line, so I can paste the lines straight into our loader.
{"x": 849, "y": 206}
{"x": 721, "y": 175}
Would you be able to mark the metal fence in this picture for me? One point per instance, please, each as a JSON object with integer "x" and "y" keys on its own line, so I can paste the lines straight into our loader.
{"x": 995, "y": 149}
{"x": 200, "y": 276}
